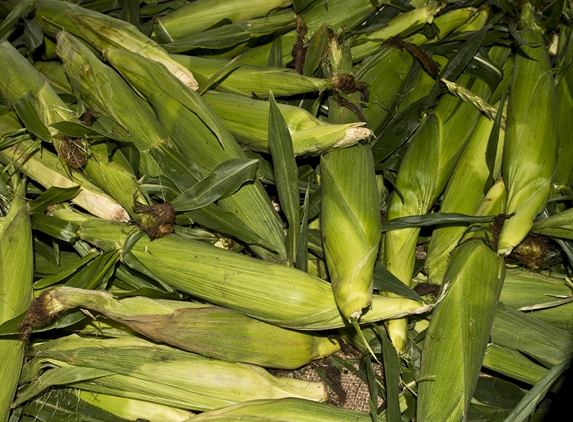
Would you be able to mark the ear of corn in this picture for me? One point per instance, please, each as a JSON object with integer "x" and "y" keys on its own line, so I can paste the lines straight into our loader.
{"x": 351, "y": 226}
{"x": 513, "y": 364}
{"x": 547, "y": 298}
{"x": 131, "y": 409}
{"x": 287, "y": 409}
{"x": 203, "y": 14}
{"x": 246, "y": 80}
{"x": 459, "y": 331}
{"x": 205, "y": 383}
{"x": 115, "y": 179}
{"x": 201, "y": 136}
{"x": 107, "y": 92}
{"x": 366, "y": 44}
{"x": 208, "y": 330}
{"x": 466, "y": 189}
{"x": 254, "y": 287}
{"x": 564, "y": 171}
{"x": 16, "y": 277}
{"x": 424, "y": 172}
{"x": 104, "y": 31}
{"x": 530, "y": 151}
{"x": 310, "y": 136}
{"x": 350, "y": 212}
{"x": 45, "y": 168}
{"x": 518, "y": 331}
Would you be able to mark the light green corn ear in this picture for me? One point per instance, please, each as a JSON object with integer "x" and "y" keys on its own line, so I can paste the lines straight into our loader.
{"x": 396, "y": 63}
{"x": 237, "y": 281}
{"x": 466, "y": 189}
{"x": 203, "y": 14}
{"x": 46, "y": 168}
{"x": 200, "y": 135}
{"x": 16, "y": 277}
{"x": 244, "y": 79}
{"x": 107, "y": 92}
{"x": 407, "y": 22}
{"x": 107, "y": 171}
{"x": 137, "y": 367}
{"x": 288, "y": 409}
{"x": 425, "y": 170}
{"x": 547, "y": 298}
{"x": 205, "y": 329}
{"x": 530, "y": 152}
{"x": 310, "y": 136}
{"x": 350, "y": 211}
{"x": 564, "y": 172}
{"x": 351, "y": 226}
{"x": 103, "y": 31}
{"x": 131, "y": 409}
{"x": 459, "y": 330}
{"x": 340, "y": 16}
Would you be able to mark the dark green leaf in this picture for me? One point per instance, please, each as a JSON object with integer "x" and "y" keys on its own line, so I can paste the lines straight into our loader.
{"x": 508, "y": 6}
{"x": 26, "y": 111}
{"x": 385, "y": 281}
{"x": 21, "y": 9}
{"x": 33, "y": 36}
{"x": 130, "y": 12}
{"x": 391, "y": 365}
{"x": 53, "y": 195}
{"x": 398, "y": 131}
{"x": 527, "y": 405}
{"x": 498, "y": 393}
{"x": 492, "y": 143}
{"x": 433, "y": 219}
{"x": 10, "y": 327}
{"x": 458, "y": 63}
{"x": 233, "y": 34}
{"x": 275, "y": 54}
{"x": 302, "y": 247}
{"x": 286, "y": 173}
{"x": 515, "y": 34}
{"x": 66, "y": 272}
{"x": 79, "y": 130}
{"x": 96, "y": 274}
{"x": 315, "y": 51}
{"x": 225, "y": 179}
{"x": 55, "y": 227}
{"x": 551, "y": 15}
{"x": 64, "y": 405}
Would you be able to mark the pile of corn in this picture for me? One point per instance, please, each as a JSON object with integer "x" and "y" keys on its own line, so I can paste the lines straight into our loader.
{"x": 194, "y": 193}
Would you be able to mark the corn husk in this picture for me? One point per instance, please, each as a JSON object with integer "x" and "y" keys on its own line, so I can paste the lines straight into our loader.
{"x": 459, "y": 331}
{"x": 204, "y": 329}
{"x": 310, "y": 136}
{"x": 530, "y": 151}
{"x": 203, "y": 383}
{"x": 287, "y": 410}
{"x": 203, "y": 14}
{"x": 103, "y": 31}
{"x": 201, "y": 136}
{"x": 16, "y": 276}
{"x": 424, "y": 172}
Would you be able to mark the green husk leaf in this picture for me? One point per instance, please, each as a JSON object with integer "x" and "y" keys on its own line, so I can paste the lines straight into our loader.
{"x": 286, "y": 174}
{"x": 223, "y": 180}
{"x": 52, "y": 195}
